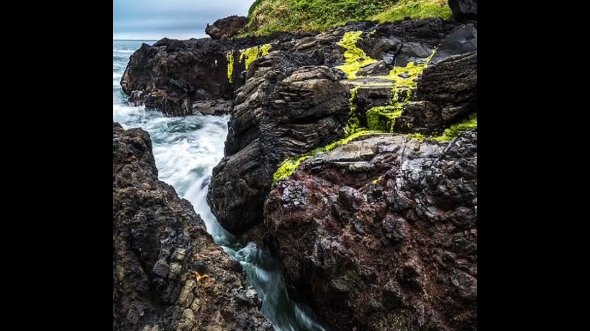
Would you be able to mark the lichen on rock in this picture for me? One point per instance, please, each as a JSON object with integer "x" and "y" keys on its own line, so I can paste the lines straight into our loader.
{"x": 354, "y": 57}
{"x": 250, "y": 54}
{"x": 230, "y": 66}
{"x": 289, "y": 165}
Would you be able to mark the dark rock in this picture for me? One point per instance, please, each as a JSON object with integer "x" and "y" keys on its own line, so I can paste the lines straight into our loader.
{"x": 464, "y": 9}
{"x": 386, "y": 265}
{"x": 385, "y": 45}
{"x": 374, "y": 69}
{"x": 462, "y": 41}
{"x": 412, "y": 51}
{"x": 419, "y": 117}
{"x": 428, "y": 32}
{"x": 451, "y": 84}
{"x": 228, "y": 27}
{"x": 211, "y": 107}
{"x": 168, "y": 274}
{"x": 287, "y": 107}
{"x": 170, "y": 75}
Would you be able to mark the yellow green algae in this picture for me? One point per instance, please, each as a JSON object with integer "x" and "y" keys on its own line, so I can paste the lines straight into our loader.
{"x": 455, "y": 130}
{"x": 248, "y": 54}
{"x": 402, "y": 80}
{"x": 451, "y": 132}
{"x": 252, "y": 53}
{"x": 383, "y": 118}
{"x": 401, "y": 76}
{"x": 415, "y": 9}
{"x": 354, "y": 57}
{"x": 230, "y": 66}
{"x": 353, "y": 124}
{"x": 289, "y": 165}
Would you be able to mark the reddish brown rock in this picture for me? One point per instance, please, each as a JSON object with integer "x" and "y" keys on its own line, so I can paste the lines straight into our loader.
{"x": 379, "y": 234}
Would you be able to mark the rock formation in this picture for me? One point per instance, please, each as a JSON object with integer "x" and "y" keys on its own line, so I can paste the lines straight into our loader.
{"x": 185, "y": 77}
{"x": 288, "y": 106}
{"x": 227, "y": 27}
{"x": 168, "y": 274}
{"x": 274, "y": 117}
{"x": 376, "y": 234}
{"x": 380, "y": 234}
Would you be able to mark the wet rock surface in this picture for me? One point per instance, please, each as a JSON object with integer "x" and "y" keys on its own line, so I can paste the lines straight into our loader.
{"x": 288, "y": 106}
{"x": 167, "y": 272}
{"x": 380, "y": 234}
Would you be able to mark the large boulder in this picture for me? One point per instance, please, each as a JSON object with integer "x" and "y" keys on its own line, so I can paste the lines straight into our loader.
{"x": 168, "y": 274}
{"x": 171, "y": 75}
{"x": 228, "y": 27}
{"x": 288, "y": 106}
{"x": 380, "y": 234}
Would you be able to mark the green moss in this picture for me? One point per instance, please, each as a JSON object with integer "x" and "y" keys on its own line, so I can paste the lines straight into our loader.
{"x": 406, "y": 76}
{"x": 455, "y": 130}
{"x": 383, "y": 118}
{"x": 249, "y": 55}
{"x": 264, "y": 49}
{"x": 354, "y": 57}
{"x": 345, "y": 140}
{"x": 414, "y": 9}
{"x": 287, "y": 168}
{"x": 289, "y": 165}
{"x": 418, "y": 136}
{"x": 353, "y": 124}
{"x": 269, "y": 16}
{"x": 252, "y": 53}
{"x": 451, "y": 132}
{"x": 230, "y": 66}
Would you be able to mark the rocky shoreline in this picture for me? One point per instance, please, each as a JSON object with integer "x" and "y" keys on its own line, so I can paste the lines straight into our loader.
{"x": 351, "y": 156}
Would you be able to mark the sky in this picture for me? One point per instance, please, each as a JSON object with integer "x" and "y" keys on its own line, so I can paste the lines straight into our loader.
{"x": 174, "y": 19}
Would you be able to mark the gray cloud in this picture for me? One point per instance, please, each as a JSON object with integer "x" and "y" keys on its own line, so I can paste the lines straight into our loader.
{"x": 178, "y": 19}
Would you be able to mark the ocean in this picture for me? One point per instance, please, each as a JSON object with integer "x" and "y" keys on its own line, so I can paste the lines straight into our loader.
{"x": 185, "y": 150}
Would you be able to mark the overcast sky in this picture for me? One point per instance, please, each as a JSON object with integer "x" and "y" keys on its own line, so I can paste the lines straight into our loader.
{"x": 175, "y": 19}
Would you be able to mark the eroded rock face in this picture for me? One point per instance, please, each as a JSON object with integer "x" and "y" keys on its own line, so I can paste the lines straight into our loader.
{"x": 288, "y": 106}
{"x": 167, "y": 272}
{"x": 380, "y": 234}
{"x": 227, "y": 27}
